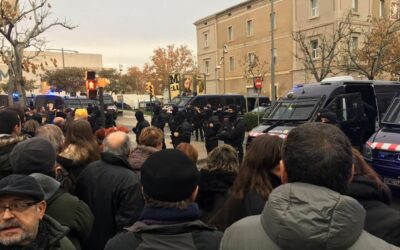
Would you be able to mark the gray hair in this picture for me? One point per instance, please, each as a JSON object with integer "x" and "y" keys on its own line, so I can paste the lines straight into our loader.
{"x": 53, "y": 134}
{"x": 117, "y": 143}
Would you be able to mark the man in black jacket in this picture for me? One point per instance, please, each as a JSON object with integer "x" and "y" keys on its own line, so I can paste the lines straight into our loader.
{"x": 233, "y": 130}
{"x": 158, "y": 121}
{"x": 183, "y": 130}
{"x": 140, "y": 125}
{"x": 111, "y": 189}
{"x": 170, "y": 219}
{"x": 211, "y": 126}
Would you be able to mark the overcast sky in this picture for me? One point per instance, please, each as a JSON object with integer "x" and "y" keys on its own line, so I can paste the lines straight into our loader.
{"x": 127, "y": 31}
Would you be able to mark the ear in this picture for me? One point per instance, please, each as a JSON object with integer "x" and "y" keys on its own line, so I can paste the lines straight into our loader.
{"x": 284, "y": 177}
{"x": 41, "y": 208}
{"x": 194, "y": 194}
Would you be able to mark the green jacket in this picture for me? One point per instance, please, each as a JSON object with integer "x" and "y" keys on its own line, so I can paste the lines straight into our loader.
{"x": 304, "y": 216}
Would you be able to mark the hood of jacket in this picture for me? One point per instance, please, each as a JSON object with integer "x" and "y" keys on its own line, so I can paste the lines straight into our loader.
{"x": 54, "y": 230}
{"x": 78, "y": 155}
{"x": 313, "y": 217}
{"x": 216, "y": 181}
{"x": 7, "y": 143}
{"x": 139, "y": 155}
{"x": 49, "y": 184}
{"x": 363, "y": 189}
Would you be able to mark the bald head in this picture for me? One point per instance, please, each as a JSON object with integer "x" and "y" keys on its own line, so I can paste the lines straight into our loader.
{"x": 117, "y": 143}
{"x": 59, "y": 121}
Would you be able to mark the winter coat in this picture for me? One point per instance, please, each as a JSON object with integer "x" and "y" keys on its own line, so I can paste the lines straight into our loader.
{"x": 232, "y": 132}
{"x": 140, "y": 125}
{"x": 51, "y": 236}
{"x": 185, "y": 132}
{"x": 213, "y": 191}
{"x": 236, "y": 208}
{"x": 7, "y": 143}
{"x": 381, "y": 220}
{"x": 304, "y": 216}
{"x": 112, "y": 191}
{"x": 158, "y": 121}
{"x": 139, "y": 155}
{"x": 155, "y": 231}
{"x": 68, "y": 210}
{"x": 211, "y": 126}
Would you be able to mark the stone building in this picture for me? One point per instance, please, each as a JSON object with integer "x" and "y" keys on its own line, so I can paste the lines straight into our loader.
{"x": 225, "y": 39}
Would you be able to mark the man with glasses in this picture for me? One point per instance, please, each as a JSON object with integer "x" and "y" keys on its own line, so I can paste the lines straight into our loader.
{"x": 23, "y": 223}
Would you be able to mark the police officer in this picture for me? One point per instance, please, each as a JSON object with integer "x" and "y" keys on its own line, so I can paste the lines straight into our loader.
{"x": 211, "y": 126}
{"x": 233, "y": 130}
{"x": 172, "y": 122}
{"x": 183, "y": 130}
{"x": 198, "y": 123}
{"x": 158, "y": 121}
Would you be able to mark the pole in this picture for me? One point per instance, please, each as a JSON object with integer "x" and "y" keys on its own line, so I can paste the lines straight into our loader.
{"x": 272, "y": 17}
{"x": 101, "y": 99}
{"x": 258, "y": 106}
{"x": 223, "y": 65}
{"x": 62, "y": 55}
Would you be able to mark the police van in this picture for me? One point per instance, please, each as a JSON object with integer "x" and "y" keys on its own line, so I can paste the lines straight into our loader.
{"x": 358, "y": 105}
{"x": 382, "y": 150}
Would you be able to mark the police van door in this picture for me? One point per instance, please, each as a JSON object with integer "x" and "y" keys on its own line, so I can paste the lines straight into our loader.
{"x": 350, "y": 116}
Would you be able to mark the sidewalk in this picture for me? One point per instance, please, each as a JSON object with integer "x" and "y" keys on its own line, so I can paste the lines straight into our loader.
{"x": 129, "y": 120}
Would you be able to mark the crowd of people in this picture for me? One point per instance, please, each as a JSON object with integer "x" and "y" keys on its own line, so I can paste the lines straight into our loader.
{"x": 70, "y": 183}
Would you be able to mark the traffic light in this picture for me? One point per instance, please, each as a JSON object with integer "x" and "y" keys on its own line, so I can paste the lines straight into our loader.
{"x": 91, "y": 86}
{"x": 150, "y": 89}
{"x": 90, "y": 75}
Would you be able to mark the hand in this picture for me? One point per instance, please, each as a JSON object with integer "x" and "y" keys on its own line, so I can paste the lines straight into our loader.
{"x": 176, "y": 134}
{"x": 211, "y": 125}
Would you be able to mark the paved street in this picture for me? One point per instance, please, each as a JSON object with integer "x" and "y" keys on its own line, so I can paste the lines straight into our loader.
{"x": 129, "y": 120}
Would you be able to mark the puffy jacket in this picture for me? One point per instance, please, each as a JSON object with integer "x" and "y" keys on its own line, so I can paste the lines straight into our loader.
{"x": 381, "y": 220}
{"x": 7, "y": 143}
{"x": 304, "y": 216}
{"x": 186, "y": 235}
{"x": 139, "y": 155}
{"x": 112, "y": 191}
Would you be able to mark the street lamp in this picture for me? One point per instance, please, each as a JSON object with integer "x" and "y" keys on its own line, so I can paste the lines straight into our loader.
{"x": 62, "y": 54}
{"x": 272, "y": 21}
{"x": 224, "y": 51}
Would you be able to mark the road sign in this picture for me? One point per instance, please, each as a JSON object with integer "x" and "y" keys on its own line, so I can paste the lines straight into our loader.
{"x": 258, "y": 83}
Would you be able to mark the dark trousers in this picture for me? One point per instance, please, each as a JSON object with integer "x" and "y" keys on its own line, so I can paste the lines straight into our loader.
{"x": 211, "y": 144}
{"x": 196, "y": 131}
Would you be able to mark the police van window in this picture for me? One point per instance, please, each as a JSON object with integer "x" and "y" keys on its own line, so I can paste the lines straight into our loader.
{"x": 214, "y": 101}
{"x": 199, "y": 102}
{"x": 393, "y": 114}
{"x": 349, "y": 109}
{"x": 229, "y": 101}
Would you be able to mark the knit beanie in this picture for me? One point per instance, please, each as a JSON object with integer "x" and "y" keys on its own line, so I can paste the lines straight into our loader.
{"x": 169, "y": 175}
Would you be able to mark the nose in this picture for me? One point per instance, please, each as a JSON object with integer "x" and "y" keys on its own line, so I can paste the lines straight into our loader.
{"x": 7, "y": 214}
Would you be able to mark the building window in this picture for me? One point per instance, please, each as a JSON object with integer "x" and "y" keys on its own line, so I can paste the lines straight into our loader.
{"x": 275, "y": 55}
{"x": 230, "y": 33}
{"x": 354, "y": 43}
{"x": 207, "y": 67}
{"x": 354, "y": 5}
{"x": 314, "y": 49}
{"x": 314, "y": 8}
{"x": 381, "y": 8}
{"x": 252, "y": 59}
{"x": 205, "y": 39}
{"x": 249, "y": 27}
{"x": 231, "y": 63}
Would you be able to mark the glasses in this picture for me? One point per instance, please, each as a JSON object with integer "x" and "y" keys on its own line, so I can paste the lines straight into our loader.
{"x": 18, "y": 207}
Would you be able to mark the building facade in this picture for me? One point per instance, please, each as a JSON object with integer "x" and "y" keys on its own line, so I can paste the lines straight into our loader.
{"x": 62, "y": 59}
{"x": 228, "y": 40}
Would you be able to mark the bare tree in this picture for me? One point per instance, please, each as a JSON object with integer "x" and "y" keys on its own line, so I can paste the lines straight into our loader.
{"x": 22, "y": 26}
{"x": 253, "y": 68}
{"x": 379, "y": 52}
{"x": 318, "y": 51}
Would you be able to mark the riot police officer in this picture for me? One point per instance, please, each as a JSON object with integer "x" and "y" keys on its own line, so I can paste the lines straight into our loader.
{"x": 158, "y": 121}
{"x": 183, "y": 130}
{"x": 233, "y": 130}
{"x": 211, "y": 126}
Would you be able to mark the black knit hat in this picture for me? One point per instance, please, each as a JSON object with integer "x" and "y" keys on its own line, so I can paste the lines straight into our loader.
{"x": 35, "y": 155}
{"x": 21, "y": 185}
{"x": 169, "y": 175}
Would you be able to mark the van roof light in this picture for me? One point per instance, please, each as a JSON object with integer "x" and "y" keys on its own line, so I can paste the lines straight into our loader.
{"x": 338, "y": 78}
